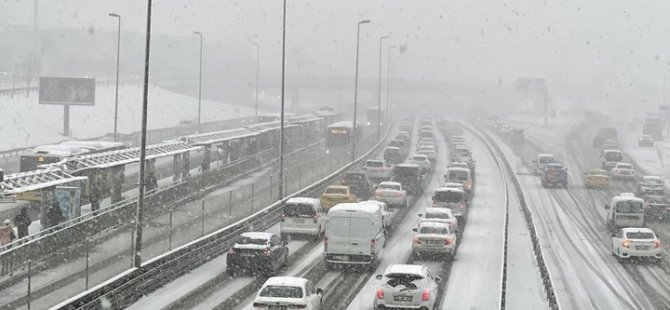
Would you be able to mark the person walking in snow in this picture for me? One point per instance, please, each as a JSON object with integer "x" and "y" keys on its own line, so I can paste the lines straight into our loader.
{"x": 22, "y": 222}
{"x": 7, "y": 235}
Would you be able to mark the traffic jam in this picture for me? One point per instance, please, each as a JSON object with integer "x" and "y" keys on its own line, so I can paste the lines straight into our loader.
{"x": 355, "y": 216}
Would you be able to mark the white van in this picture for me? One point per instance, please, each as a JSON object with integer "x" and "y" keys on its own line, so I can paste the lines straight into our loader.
{"x": 354, "y": 235}
{"x": 302, "y": 215}
{"x": 542, "y": 161}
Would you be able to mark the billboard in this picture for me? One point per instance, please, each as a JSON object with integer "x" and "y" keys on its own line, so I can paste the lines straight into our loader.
{"x": 67, "y": 91}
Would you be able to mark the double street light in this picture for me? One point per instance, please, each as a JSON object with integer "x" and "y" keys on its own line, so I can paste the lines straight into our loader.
{"x": 116, "y": 96}
{"x": 199, "y": 82}
{"x": 358, "y": 41}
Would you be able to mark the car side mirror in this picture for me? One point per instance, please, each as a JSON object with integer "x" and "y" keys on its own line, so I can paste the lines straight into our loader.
{"x": 319, "y": 291}
{"x": 438, "y": 280}
{"x": 378, "y": 277}
{"x": 415, "y": 230}
{"x": 607, "y": 207}
{"x": 285, "y": 243}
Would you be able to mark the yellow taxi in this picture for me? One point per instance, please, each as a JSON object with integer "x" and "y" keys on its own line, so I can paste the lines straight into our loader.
{"x": 335, "y": 194}
{"x": 596, "y": 179}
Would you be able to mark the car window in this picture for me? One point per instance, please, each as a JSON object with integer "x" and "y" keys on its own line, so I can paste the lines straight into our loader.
{"x": 460, "y": 176}
{"x": 390, "y": 187}
{"x": 613, "y": 156}
{"x": 336, "y": 190}
{"x": 437, "y": 215}
{"x": 434, "y": 230}
{"x": 448, "y": 196}
{"x": 299, "y": 210}
{"x": 640, "y": 235}
{"x": 629, "y": 207}
{"x": 281, "y": 291}
{"x": 247, "y": 240}
{"x": 275, "y": 241}
{"x": 374, "y": 164}
{"x": 546, "y": 160}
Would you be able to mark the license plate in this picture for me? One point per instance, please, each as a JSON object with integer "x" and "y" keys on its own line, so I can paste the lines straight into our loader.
{"x": 276, "y": 307}
{"x": 402, "y": 298}
{"x": 298, "y": 220}
{"x": 247, "y": 254}
{"x": 642, "y": 247}
{"x": 341, "y": 257}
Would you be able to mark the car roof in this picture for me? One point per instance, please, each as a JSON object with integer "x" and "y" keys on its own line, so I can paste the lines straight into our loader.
{"x": 354, "y": 206}
{"x": 546, "y": 155}
{"x": 598, "y": 171}
{"x": 408, "y": 165}
{"x": 390, "y": 183}
{"x": 449, "y": 189}
{"x": 458, "y": 169}
{"x": 392, "y": 148}
{"x": 405, "y": 269}
{"x": 286, "y": 281}
{"x": 374, "y": 160}
{"x": 419, "y": 155}
{"x": 429, "y": 223}
{"x": 651, "y": 177}
{"x": 373, "y": 202}
{"x": 625, "y": 164}
{"x": 611, "y": 151}
{"x": 257, "y": 235}
{"x": 452, "y": 185}
{"x": 338, "y": 186}
{"x": 305, "y": 200}
{"x": 438, "y": 210}
{"x": 637, "y": 229}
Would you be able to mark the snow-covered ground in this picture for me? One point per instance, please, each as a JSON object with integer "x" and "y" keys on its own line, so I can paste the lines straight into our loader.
{"x": 24, "y": 122}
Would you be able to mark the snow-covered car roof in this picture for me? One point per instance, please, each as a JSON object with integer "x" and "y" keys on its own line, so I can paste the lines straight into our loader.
{"x": 257, "y": 235}
{"x": 390, "y": 183}
{"x": 419, "y": 155}
{"x": 305, "y": 200}
{"x": 449, "y": 169}
{"x": 354, "y": 206}
{"x": 429, "y": 223}
{"x": 286, "y": 281}
{"x": 438, "y": 211}
{"x": 651, "y": 178}
{"x": 637, "y": 229}
{"x": 405, "y": 269}
{"x": 338, "y": 186}
{"x": 408, "y": 165}
{"x": 626, "y": 165}
{"x": 373, "y": 202}
{"x": 450, "y": 189}
{"x": 452, "y": 185}
{"x": 392, "y": 148}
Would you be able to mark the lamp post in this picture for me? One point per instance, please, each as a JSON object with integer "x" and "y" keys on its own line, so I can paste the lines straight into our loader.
{"x": 199, "y": 82}
{"x": 116, "y": 95}
{"x": 358, "y": 41}
{"x": 283, "y": 91}
{"x": 388, "y": 86}
{"x": 258, "y": 62}
{"x": 139, "y": 222}
{"x": 379, "y": 89}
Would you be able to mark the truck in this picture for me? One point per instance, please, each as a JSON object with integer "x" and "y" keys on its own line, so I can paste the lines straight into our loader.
{"x": 625, "y": 210}
{"x": 355, "y": 235}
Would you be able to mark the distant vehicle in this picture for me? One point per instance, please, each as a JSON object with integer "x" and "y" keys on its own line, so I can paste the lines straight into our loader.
{"x": 288, "y": 293}
{"x": 393, "y": 155}
{"x": 403, "y": 136}
{"x": 451, "y": 198}
{"x": 400, "y": 145}
{"x": 302, "y": 215}
{"x": 335, "y": 194}
{"x": 657, "y": 208}
{"x": 355, "y": 235}
{"x": 624, "y": 172}
{"x": 542, "y": 161}
{"x": 407, "y": 287}
{"x": 460, "y": 175}
{"x": 428, "y": 151}
{"x": 358, "y": 184}
{"x": 646, "y": 140}
{"x": 639, "y": 242}
{"x": 377, "y": 170}
{"x": 375, "y": 115}
{"x": 341, "y": 133}
{"x": 433, "y": 239}
{"x": 422, "y": 161}
{"x": 444, "y": 215}
{"x": 554, "y": 174}
{"x": 456, "y": 139}
{"x": 391, "y": 193}
{"x": 625, "y": 210}
{"x": 610, "y": 158}
{"x": 410, "y": 176}
{"x": 257, "y": 251}
{"x": 426, "y": 134}
{"x": 650, "y": 185}
{"x": 596, "y": 179}
{"x": 604, "y": 134}
{"x": 517, "y": 137}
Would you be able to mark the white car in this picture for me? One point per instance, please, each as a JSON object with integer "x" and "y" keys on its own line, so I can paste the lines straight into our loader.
{"x": 542, "y": 161}
{"x": 288, "y": 293}
{"x": 303, "y": 215}
{"x": 444, "y": 215}
{"x": 429, "y": 152}
{"x": 391, "y": 193}
{"x": 636, "y": 242}
{"x": 407, "y": 287}
{"x": 377, "y": 169}
{"x": 646, "y": 140}
{"x": 433, "y": 239}
{"x": 422, "y": 161}
{"x": 623, "y": 171}
{"x": 456, "y": 139}
{"x": 387, "y": 212}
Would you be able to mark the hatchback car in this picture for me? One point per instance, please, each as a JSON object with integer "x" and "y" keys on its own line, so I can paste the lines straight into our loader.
{"x": 304, "y": 216}
{"x": 281, "y": 293}
{"x": 422, "y": 161}
{"x": 407, "y": 287}
{"x": 257, "y": 252}
{"x": 636, "y": 242}
{"x": 434, "y": 239}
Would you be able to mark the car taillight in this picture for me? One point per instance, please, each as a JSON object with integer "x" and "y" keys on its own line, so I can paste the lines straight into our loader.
{"x": 625, "y": 243}
{"x": 378, "y": 193}
{"x": 380, "y": 293}
{"x": 447, "y": 241}
{"x": 231, "y": 251}
{"x": 325, "y": 244}
{"x": 398, "y": 194}
{"x": 316, "y": 217}
{"x": 283, "y": 217}
{"x": 657, "y": 244}
{"x": 417, "y": 239}
{"x": 266, "y": 252}
{"x": 373, "y": 243}
{"x": 426, "y": 295}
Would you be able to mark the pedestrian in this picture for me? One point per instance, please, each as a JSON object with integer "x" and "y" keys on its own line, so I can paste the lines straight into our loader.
{"x": 7, "y": 235}
{"x": 22, "y": 222}
{"x": 55, "y": 215}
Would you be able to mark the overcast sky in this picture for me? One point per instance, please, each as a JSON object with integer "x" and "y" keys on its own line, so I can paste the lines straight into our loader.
{"x": 605, "y": 45}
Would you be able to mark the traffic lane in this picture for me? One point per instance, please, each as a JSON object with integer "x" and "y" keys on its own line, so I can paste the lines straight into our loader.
{"x": 584, "y": 273}
{"x": 399, "y": 247}
{"x": 475, "y": 276}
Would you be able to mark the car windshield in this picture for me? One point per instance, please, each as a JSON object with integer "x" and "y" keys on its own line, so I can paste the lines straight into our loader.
{"x": 640, "y": 235}
{"x": 374, "y": 164}
{"x": 437, "y": 215}
{"x": 624, "y": 166}
{"x": 299, "y": 210}
{"x": 406, "y": 172}
{"x": 336, "y": 190}
{"x": 247, "y": 240}
{"x": 389, "y": 187}
{"x": 281, "y": 291}
{"x": 629, "y": 207}
{"x": 546, "y": 160}
{"x": 419, "y": 158}
{"x": 448, "y": 196}
{"x": 459, "y": 176}
{"x": 613, "y": 156}
{"x": 434, "y": 230}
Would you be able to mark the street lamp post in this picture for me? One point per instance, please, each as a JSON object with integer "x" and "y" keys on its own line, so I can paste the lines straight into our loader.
{"x": 379, "y": 90}
{"x": 258, "y": 62}
{"x": 358, "y": 41}
{"x": 116, "y": 96}
{"x": 199, "y": 82}
{"x": 388, "y": 86}
{"x": 283, "y": 90}
{"x": 139, "y": 222}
